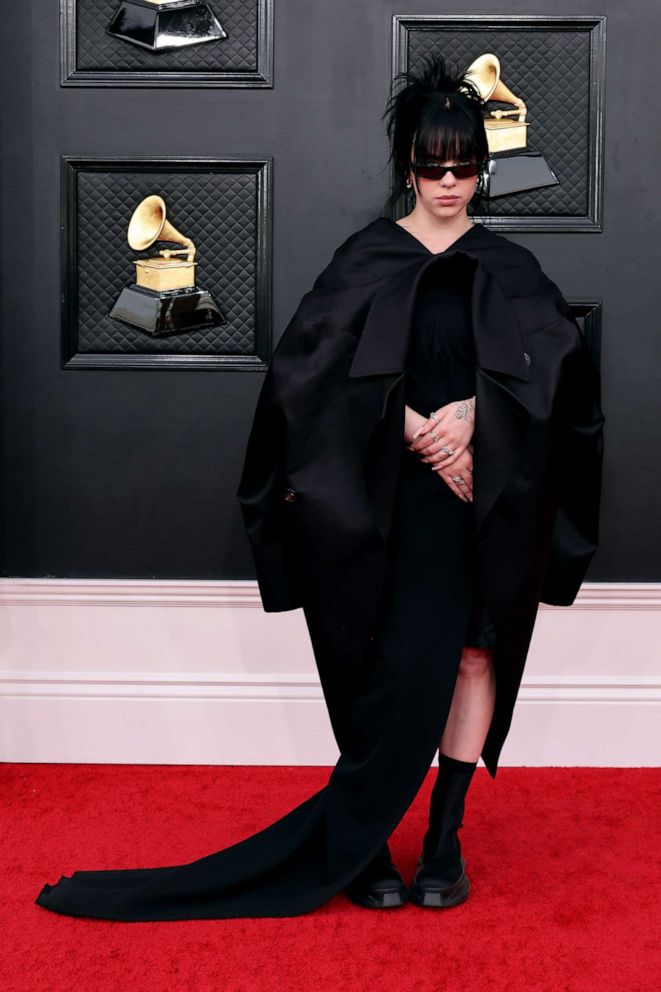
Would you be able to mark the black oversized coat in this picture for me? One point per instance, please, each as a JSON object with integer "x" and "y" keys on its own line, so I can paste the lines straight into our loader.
{"x": 319, "y": 479}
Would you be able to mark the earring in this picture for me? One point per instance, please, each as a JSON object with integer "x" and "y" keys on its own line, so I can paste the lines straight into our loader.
{"x": 408, "y": 183}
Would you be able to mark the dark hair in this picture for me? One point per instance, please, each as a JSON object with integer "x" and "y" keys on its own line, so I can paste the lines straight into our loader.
{"x": 442, "y": 113}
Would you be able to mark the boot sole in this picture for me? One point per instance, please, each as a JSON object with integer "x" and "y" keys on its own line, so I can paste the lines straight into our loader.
{"x": 388, "y": 900}
{"x": 450, "y": 895}
{"x": 442, "y": 898}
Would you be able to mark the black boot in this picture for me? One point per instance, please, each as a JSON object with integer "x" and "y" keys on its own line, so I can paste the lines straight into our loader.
{"x": 379, "y": 885}
{"x": 440, "y": 879}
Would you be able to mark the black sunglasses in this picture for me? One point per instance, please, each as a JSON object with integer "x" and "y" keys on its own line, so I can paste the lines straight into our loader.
{"x": 434, "y": 170}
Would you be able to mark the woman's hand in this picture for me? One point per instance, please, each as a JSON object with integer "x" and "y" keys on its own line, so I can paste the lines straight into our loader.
{"x": 454, "y": 431}
{"x": 462, "y": 470}
{"x": 412, "y": 420}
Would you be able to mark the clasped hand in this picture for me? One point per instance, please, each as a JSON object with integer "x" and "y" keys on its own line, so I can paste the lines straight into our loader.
{"x": 454, "y": 431}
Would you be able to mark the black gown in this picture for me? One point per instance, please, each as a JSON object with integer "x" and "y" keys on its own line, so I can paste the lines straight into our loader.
{"x": 401, "y": 698}
{"x": 440, "y": 369}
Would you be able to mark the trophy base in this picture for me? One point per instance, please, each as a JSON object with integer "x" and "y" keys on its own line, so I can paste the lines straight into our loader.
{"x": 161, "y": 27}
{"x": 514, "y": 172}
{"x": 162, "y": 314}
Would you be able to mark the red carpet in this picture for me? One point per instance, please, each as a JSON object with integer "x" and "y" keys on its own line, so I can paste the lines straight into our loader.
{"x": 564, "y": 866}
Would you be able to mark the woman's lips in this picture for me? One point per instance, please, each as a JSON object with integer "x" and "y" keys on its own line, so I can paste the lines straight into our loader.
{"x": 447, "y": 199}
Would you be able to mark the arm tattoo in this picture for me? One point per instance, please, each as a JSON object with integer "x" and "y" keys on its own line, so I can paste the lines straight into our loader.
{"x": 466, "y": 410}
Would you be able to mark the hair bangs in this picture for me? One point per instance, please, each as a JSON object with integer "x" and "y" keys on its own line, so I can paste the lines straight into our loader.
{"x": 447, "y": 133}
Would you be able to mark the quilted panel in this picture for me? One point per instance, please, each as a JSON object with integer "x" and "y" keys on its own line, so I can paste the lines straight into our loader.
{"x": 99, "y": 51}
{"x": 217, "y": 209}
{"x": 550, "y": 70}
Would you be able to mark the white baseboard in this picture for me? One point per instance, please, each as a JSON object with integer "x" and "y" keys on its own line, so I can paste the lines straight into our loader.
{"x": 177, "y": 672}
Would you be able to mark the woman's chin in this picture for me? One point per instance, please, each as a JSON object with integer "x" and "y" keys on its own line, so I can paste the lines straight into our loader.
{"x": 447, "y": 211}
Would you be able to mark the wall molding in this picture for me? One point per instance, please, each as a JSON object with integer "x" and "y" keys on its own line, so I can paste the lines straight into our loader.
{"x": 284, "y": 688}
{"x": 130, "y": 592}
{"x": 239, "y": 592}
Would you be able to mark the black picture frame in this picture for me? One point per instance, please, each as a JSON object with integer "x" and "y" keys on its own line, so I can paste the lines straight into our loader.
{"x": 73, "y": 357}
{"x": 425, "y": 32}
{"x": 72, "y": 74}
{"x": 588, "y": 315}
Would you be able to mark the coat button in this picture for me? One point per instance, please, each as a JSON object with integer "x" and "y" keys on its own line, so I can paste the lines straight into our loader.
{"x": 289, "y": 495}
{"x": 526, "y": 358}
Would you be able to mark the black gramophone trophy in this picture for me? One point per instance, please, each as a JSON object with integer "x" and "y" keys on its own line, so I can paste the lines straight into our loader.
{"x": 160, "y": 25}
{"x": 164, "y": 299}
{"x": 513, "y": 165}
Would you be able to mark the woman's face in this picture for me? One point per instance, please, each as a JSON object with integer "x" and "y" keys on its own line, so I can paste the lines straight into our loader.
{"x": 443, "y": 198}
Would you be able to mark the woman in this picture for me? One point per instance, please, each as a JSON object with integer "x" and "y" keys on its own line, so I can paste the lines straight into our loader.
{"x": 419, "y": 571}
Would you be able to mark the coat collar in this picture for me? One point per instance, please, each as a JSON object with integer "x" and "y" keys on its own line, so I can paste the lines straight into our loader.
{"x": 383, "y": 344}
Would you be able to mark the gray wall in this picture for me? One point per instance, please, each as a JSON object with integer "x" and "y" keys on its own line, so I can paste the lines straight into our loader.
{"x": 97, "y": 481}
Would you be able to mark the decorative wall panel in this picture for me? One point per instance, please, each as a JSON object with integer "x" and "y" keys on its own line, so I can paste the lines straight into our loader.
{"x": 90, "y": 56}
{"x": 224, "y": 206}
{"x": 556, "y": 65}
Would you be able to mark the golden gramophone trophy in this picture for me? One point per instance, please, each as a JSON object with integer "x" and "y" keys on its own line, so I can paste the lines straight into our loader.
{"x": 164, "y": 299}
{"x": 161, "y": 25}
{"x": 513, "y": 164}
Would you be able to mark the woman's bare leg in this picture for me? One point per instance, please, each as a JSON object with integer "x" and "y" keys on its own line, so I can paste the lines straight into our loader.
{"x": 472, "y": 705}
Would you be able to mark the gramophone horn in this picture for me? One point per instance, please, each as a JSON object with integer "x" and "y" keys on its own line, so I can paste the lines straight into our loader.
{"x": 484, "y": 72}
{"x": 148, "y": 224}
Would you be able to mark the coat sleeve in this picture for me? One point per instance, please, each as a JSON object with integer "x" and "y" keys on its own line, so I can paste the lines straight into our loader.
{"x": 294, "y": 372}
{"x": 580, "y": 439}
{"x": 260, "y": 498}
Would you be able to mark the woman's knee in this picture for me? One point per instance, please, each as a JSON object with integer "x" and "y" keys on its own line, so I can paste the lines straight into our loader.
{"x": 475, "y": 662}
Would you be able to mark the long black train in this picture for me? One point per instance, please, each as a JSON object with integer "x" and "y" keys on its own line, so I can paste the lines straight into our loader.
{"x": 396, "y": 716}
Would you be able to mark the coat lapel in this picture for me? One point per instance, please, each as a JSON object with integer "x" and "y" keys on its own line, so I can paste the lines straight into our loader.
{"x": 382, "y": 350}
{"x": 384, "y": 339}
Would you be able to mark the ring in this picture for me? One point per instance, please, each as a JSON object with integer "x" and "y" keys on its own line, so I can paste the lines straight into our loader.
{"x": 456, "y": 478}
{"x": 448, "y": 451}
{"x": 434, "y": 437}
{"x": 432, "y": 416}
